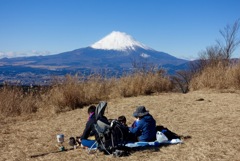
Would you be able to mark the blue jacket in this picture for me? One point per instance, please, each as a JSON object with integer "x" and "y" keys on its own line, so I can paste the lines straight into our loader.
{"x": 145, "y": 129}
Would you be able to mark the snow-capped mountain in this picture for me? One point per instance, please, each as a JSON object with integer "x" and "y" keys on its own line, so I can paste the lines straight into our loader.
{"x": 118, "y": 41}
{"x": 115, "y": 52}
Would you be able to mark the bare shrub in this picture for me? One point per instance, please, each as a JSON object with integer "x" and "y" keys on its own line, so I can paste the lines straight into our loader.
{"x": 210, "y": 57}
{"x": 181, "y": 80}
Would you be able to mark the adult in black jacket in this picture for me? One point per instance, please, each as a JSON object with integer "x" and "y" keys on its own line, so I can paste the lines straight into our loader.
{"x": 87, "y": 137}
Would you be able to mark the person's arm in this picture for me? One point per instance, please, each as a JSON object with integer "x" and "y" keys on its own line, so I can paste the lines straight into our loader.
{"x": 134, "y": 124}
{"x": 87, "y": 130}
{"x": 136, "y": 129}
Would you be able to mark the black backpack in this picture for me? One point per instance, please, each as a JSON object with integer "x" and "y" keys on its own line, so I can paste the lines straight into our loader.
{"x": 111, "y": 136}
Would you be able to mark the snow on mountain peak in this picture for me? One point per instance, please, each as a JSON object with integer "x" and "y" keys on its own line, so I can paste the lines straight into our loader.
{"x": 118, "y": 41}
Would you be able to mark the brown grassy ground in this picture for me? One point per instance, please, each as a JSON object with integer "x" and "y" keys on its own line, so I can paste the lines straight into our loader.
{"x": 213, "y": 124}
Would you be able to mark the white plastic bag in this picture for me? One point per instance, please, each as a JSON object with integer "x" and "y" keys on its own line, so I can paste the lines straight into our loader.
{"x": 161, "y": 138}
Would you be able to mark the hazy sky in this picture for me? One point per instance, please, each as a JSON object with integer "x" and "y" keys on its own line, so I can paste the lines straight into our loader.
{"x": 182, "y": 28}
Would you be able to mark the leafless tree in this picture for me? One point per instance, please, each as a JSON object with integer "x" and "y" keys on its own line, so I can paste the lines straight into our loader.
{"x": 222, "y": 51}
{"x": 231, "y": 40}
{"x": 181, "y": 80}
{"x": 142, "y": 65}
{"x": 212, "y": 56}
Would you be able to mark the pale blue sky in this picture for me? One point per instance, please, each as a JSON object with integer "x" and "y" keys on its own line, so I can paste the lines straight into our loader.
{"x": 181, "y": 28}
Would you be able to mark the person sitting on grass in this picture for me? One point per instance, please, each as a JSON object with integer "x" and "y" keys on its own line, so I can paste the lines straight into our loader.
{"x": 144, "y": 127}
{"x": 122, "y": 119}
{"x": 88, "y": 136}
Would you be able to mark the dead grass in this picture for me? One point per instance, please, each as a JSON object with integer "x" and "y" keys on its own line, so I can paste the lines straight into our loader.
{"x": 14, "y": 102}
{"x": 217, "y": 77}
{"x": 213, "y": 124}
{"x": 75, "y": 92}
{"x": 142, "y": 84}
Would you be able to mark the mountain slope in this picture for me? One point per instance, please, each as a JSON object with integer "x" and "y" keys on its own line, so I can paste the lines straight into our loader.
{"x": 90, "y": 57}
{"x": 116, "y": 52}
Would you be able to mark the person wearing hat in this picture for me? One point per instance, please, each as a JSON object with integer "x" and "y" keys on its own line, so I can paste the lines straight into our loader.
{"x": 145, "y": 128}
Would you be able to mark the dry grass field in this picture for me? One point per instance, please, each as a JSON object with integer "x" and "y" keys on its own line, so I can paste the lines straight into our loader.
{"x": 212, "y": 123}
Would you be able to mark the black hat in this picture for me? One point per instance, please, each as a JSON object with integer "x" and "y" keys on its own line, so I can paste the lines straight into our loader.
{"x": 140, "y": 111}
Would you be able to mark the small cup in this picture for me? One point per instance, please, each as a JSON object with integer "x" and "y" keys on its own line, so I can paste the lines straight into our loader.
{"x": 60, "y": 138}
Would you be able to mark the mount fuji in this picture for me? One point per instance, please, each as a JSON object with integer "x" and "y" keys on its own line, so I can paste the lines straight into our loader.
{"x": 118, "y": 41}
{"x": 116, "y": 51}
